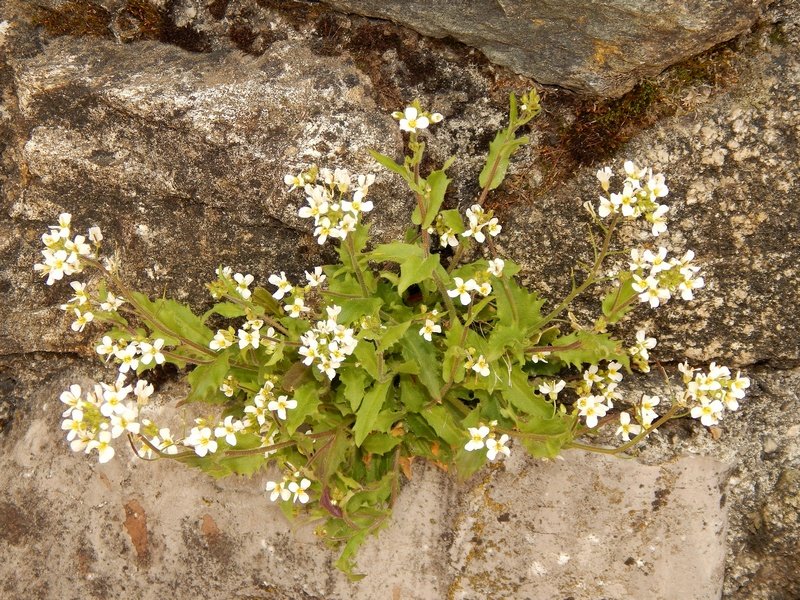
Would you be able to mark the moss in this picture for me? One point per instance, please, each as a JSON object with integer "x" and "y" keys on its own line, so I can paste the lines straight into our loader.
{"x": 137, "y": 20}
{"x": 598, "y": 129}
{"x": 76, "y": 17}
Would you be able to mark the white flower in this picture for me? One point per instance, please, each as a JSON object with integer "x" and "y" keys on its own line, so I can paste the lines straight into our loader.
{"x": 477, "y": 436}
{"x": 646, "y": 410}
{"x": 604, "y": 177}
{"x": 281, "y": 405}
{"x": 462, "y": 290}
{"x": 283, "y": 285}
{"x": 107, "y": 347}
{"x": 495, "y": 447}
{"x": 74, "y": 424}
{"x": 496, "y": 267}
{"x": 223, "y": 339}
{"x": 103, "y": 446}
{"x": 164, "y": 441}
{"x": 81, "y": 319}
{"x": 249, "y": 338}
{"x": 125, "y": 421}
{"x": 111, "y": 303}
{"x": 316, "y": 278}
{"x": 242, "y": 283}
{"x": 228, "y": 429}
{"x": 709, "y": 413}
{"x": 481, "y": 366}
{"x": 143, "y": 390}
{"x": 626, "y": 428}
{"x": 299, "y": 490}
{"x": 429, "y": 328}
{"x": 592, "y": 407}
{"x": 296, "y": 308}
{"x": 412, "y": 121}
{"x": 278, "y": 489}
{"x": 152, "y": 352}
{"x": 202, "y": 441}
{"x": 551, "y": 388}
{"x": 72, "y": 398}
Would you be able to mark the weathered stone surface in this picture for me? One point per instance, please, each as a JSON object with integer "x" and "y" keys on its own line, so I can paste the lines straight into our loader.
{"x": 731, "y": 158}
{"x": 599, "y": 48}
{"x": 180, "y": 158}
{"x": 731, "y": 165}
{"x": 586, "y": 527}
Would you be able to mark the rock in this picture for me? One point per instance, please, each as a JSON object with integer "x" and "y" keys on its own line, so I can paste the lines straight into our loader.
{"x": 180, "y": 158}
{"x": 589, "y": 47}
{"x": 580, "y": 527}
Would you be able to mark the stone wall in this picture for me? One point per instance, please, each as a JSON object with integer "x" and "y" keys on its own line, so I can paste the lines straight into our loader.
{"x": 170, "y": 125}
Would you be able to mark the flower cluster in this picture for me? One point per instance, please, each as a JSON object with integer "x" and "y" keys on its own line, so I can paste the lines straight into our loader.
{"x": 131, "y": 354}
{"x": 712, "y": 392}
{"x": 291, "y": 486}
{"x": 656, "y": 279}
{"x": 446, "y": 234}
{"x": 597, "y": 392}
{"x": 640, "y": 190}
{"x": 479, "y": 220}
{"x": 483, "y": 436}
{"x": 102, "y": 414}
{"x": 334, "y": 199}
{"x": 62, "y": 255}
{"x": 328, "y": 343}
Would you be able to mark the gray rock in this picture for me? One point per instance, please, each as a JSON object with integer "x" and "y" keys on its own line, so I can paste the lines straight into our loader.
{"x": 598, "y": 48}
{"x": 166, "y": 150}
{"x": 180, "y": 159}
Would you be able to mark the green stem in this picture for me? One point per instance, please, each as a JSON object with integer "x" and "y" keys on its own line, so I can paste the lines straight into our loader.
{"x": 351, "y": 252}
{"x": 590, "y": 278}
{"x": 670, "y": 414}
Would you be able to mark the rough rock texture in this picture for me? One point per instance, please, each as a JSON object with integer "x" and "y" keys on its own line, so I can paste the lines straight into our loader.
{"x": 522, "y": 529}
{"x": 598, "y": 48}
{"x": 179, "y": 155}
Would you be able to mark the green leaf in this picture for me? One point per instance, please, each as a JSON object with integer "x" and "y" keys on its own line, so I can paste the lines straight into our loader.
{"x": 369, "y": 409}
{"x": 174, "y": 319}
{"x": 555, "y": 432}
{"x": 438, "y": 182}
{"x": 468, "y": 462}
{"x": 308, "y": 400}
{"x": 355, "y": 382}
{"x": 396, "y": 252}
{"x": 328, "y": 458}
{"x": 206, "y": 379}
{"x": 380, "y": 443}
{"x": 391, "y": 335}
{"x": 445, "y": 424}
{"x": 391, "y": 165}
{"x": 411, "y": 394}
{"x": 517, "y": 306}
{"x": 500, "y": 151}
{"x": 355, "y": 308}
{"x": 245, "y": 465}
{"x": 415, "y": 348}
{"x": 264, "y": 299}
{"x": 591, "y": 349}
{"x": 452, "y": 219}
{"x": 366, "y": 354}
{"x": 415, "y": 270}
{"x": 519, "y": 393}
{"x": 228, "y": 310}
{"x": 617, "y": 302}
{"x": 346, "y": 562}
